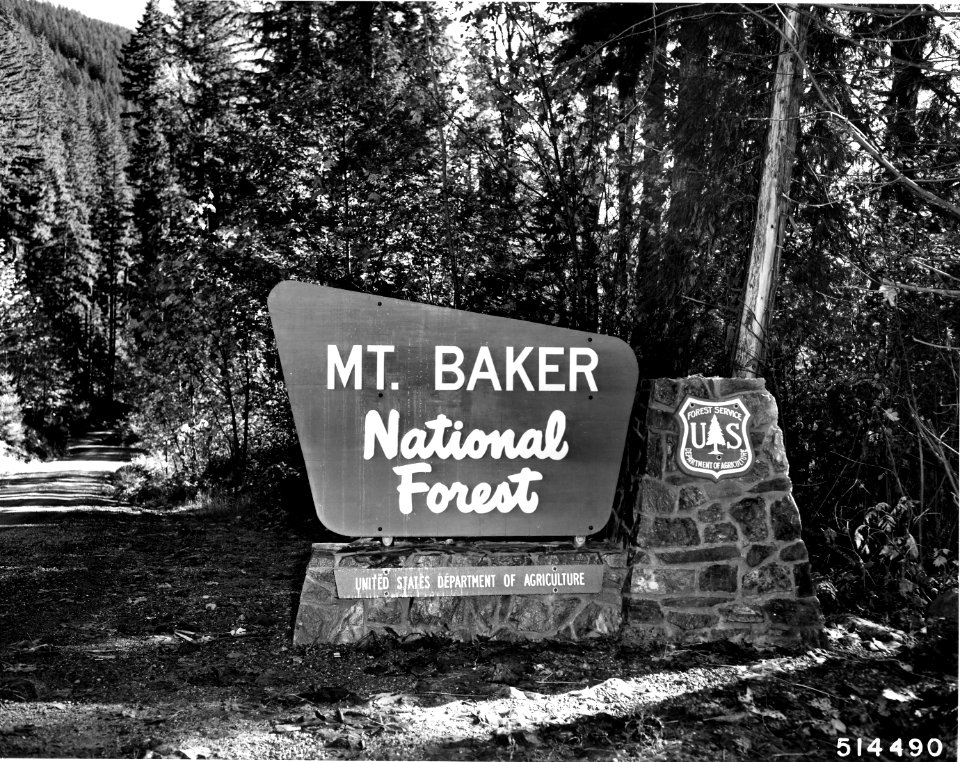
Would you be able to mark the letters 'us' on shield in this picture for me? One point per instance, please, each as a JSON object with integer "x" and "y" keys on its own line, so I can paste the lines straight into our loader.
{"x": 423, "y": 421}
{"x": 715, "y": 438}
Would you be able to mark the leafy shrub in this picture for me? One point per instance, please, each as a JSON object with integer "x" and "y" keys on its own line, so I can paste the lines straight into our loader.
{"x": 149, "y": 481}
{"x": 272, "y": 486}
{"x": 271, "y": 489}
{"x": 878, "y": 563}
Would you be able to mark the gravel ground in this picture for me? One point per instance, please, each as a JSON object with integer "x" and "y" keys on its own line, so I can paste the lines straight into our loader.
{"x": 168, "y": 634}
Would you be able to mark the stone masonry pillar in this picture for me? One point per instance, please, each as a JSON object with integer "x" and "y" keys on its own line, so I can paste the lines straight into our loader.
{"x": 717, "y": 559}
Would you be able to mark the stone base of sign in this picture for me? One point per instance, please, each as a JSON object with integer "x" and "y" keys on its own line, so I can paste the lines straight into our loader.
{"x": 715, "y": 559}
{"x": 689, "y": 558}
{"x": 324, "y": 617}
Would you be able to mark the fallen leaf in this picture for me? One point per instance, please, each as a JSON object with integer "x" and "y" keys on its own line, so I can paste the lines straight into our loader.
{"x": 13, "y": 730}
{"x": 485, "y": 718}
{"x": 508, "y": 691}
{"x": 194, "y": 752}
{"x": 326, "y": 733}
{"x": 31, "y": 646}
{"x": 390, "y": 699}
{"x": 353, "y": 717}
{"x": 20, "y": 668}
{"x": 328, "y": 693}
{"x": 529, "y": 738}
{"x": 823, "y": 704}
{"x": 735, "y": 717}
{"x": 763, "y": 668}
{"x": 895, "y": 696}
{"x": 770, "y": 714}
{"x": 503, "y": 674}
{"x": 889, "y": 292}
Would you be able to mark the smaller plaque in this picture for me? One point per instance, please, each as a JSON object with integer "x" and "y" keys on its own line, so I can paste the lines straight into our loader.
{"x": 446, "y": 581}
{"x": 715, "y": 439}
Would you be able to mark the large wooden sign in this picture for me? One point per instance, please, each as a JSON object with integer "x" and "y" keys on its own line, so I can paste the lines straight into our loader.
{"x": 424, "y": 421}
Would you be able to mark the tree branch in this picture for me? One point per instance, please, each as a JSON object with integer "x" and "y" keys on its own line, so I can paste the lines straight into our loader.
{"x": 833, "y": 110}
{"x": 948, "y": 292}
{"x": 936, "y": 346}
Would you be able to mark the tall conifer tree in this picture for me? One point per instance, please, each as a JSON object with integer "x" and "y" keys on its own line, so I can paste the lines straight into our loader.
{"x": 146, "y": 84}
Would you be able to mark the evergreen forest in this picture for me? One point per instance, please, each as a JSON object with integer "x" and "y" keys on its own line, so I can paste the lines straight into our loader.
{"x": 587, "y": 165}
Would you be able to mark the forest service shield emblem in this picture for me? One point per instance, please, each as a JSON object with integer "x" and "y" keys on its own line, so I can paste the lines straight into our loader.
{"x": 716, "y": 438}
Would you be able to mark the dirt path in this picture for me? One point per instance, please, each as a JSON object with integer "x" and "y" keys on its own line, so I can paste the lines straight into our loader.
{"x": 81, "y": 481}
{"x": 169, "y": 634}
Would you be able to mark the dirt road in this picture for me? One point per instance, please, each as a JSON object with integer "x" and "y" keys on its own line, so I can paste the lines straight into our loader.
{"x": 39, "y": 492}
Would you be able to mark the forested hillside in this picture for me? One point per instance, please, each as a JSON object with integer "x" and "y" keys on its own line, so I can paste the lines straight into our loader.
{"x": 587, "y": 165}
{"x": 64, "y": 215}
{"x": 87, "y": 50}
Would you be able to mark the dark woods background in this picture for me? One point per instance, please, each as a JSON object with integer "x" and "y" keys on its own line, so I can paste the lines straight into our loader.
{"x": 593, "y": 166}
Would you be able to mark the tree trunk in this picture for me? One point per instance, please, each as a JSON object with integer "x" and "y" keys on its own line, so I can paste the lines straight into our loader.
{"x": 111, "y": 336}
{"x": 672, "y": 266}
{"x": 907, "y": 46}
{"x": 627, "y": 119}
{"x": 652, "y": 198}
{"x": 445, "y": 193}
{"x": 772, "y": 201}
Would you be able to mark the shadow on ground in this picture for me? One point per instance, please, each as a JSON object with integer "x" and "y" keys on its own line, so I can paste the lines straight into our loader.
{"x": 81, "y": 481}
{"x": 162, "y": 634}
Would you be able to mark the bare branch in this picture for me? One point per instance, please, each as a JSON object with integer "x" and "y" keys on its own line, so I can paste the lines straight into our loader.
{"x": 833, "y": 110}
{"x": 934, "y": 269}
{"x": 948, "y": 292}
{"x": 936, "y": 346}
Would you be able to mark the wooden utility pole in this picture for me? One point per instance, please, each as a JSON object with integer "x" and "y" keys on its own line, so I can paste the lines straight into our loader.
{"x": 773, "y": 199}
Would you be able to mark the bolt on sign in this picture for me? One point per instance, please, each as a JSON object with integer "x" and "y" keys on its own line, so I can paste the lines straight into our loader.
{"x": 423, "y": 421}
{"x": 715, "y": 438}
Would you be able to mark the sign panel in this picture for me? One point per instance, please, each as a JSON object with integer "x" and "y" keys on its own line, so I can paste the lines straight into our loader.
{"x": 715, "y": 439}
{"x": 446, "y": 581}
{"x": 422, "y": 421}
